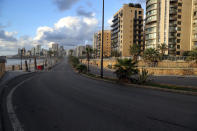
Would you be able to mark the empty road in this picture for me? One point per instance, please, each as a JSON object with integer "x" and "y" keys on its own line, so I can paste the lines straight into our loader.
{"x": 61, "y": 100}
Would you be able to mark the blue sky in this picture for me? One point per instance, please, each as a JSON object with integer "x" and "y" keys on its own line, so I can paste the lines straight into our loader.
{"x": 32, "y": 22}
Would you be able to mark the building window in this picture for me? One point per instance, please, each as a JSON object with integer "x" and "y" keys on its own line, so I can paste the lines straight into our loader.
{"x": 178, "y": 53}
{"x": 178, "y": 46}
{"x": 179, "y": 10}
{"x": 179, "y": 4}
{"x": 179, "y": 16}
{"x": 178, "y": 40}
{"x": 140, "y": 12}
{"x": 178, "y": 34}
{"x": 179, "y": 22}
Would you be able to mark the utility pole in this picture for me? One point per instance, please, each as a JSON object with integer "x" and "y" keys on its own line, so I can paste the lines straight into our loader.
{"x": 21, "y": 60}
{"x": 102, "y": 40}
{"x": 35, "y": 63}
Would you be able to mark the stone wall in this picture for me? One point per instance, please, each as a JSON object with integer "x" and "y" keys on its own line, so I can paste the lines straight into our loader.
{"x": 163, "y": 68}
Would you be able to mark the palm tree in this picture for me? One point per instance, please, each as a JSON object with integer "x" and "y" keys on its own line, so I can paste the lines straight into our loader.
{"x": 193, "y": 55}
{"x": 95, "y": 52}
{"x": 135, "y": 51}
{"x": 125, "y": 68}
{"x": 71, "y": 52}
{"x": 88, "y": 53}
{"x": 151, "y": 55}
{"x": 163, "y": 48}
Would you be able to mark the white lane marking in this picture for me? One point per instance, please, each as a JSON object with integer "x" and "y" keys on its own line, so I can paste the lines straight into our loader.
{"x": 10, "y": 108}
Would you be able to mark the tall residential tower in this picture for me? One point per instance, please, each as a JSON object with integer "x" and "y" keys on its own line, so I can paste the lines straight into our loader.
{"x": 106, "y": 43}
{"x": 169, "y": 22}
{"x": 127, "y": 28}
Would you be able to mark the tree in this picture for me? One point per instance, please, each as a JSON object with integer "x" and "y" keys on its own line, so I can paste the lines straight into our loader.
{"x": 50, "y": 53}
{"x": 95, "y": 52}
{"x": 125, "y": 68}
{"x": 186, "y": 53}
{"x": 88, "y": 53}
{"x": 151, "y": 55}
{"x": 74, "y": 61}
{"x": 162, "y": 48}
{"x": 81, "y": 68}
{"x": 71, "y": 52}
{"x": 193, "y": 55}
{"x": 135, "y": 51}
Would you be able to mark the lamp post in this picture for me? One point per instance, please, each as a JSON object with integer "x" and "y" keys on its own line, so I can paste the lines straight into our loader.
{"x": 102, "y": 41}
{"x": 21, "y": 60}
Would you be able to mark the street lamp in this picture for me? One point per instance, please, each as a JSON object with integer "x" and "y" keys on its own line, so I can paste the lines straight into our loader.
{"x": 102, "y": 40}
{"x": 21, "y": 60}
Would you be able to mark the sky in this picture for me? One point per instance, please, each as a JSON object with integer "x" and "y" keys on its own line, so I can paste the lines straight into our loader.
{"x": 26, "y": 23}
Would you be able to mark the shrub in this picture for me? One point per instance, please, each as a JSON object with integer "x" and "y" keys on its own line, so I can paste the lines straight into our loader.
{"x": 125, "y": 68}
{"x": 143, "y": 76}
{"x": 74, "y": 61}
{"x": 193, "y": 55}
{"x": 109, "y": 66}
{"x": 81, "y": 68}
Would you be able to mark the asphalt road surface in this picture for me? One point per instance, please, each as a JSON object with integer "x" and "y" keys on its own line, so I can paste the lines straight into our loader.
{"x": 61, "y": 100}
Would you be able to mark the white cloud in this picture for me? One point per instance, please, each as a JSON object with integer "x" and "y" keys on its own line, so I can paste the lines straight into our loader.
{"x": 110, "y": 21}
{"x": 9, "y": 43}
{"x": 68, "y": 31}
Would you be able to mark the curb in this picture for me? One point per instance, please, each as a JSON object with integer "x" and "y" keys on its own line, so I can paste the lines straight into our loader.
{"x": 143, "y": 86}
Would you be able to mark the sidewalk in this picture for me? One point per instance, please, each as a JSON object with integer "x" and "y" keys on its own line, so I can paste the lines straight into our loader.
{"x": 10, "y": 75}
{"x": 171, "y": 80}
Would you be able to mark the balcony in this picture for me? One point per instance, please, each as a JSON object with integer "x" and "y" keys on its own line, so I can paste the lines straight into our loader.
{"x": 115, "y": 18}
{"x": 152, "y": 7}
{"x": 150, "y": 2}
{"x": 173, "y": 0}
{"x": 117, "y": 26}
{"x": 114, "y": 36}
{"x": 174, "y": 12}
{"x": 151, "y": 21}
{"x": 115, "y": 31}
{"x": 115, "y": 22}
{"x": 172, "y": 48}
{"x": 173, "y": 18}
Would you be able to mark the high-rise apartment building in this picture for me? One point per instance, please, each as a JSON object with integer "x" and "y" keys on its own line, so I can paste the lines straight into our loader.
{"x": 80, "y": 51}
{"x": 55, "y": 47}
{"x": 127, "y": 28}
{"x": 168, "y": 22}
{"x": 97, "y": 45}
{"x": 194, "y": 25}
{"x": 38, "y": 50}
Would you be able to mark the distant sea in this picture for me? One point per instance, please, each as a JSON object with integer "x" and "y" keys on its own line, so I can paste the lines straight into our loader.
{"x": 18, "y": 61}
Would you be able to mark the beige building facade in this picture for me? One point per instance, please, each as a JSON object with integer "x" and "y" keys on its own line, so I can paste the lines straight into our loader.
{"x": 127, "y": 29}
{"x": 169, "y": 22}
{"x": 97, "y": 45}
{"x": 194, "y": 25}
